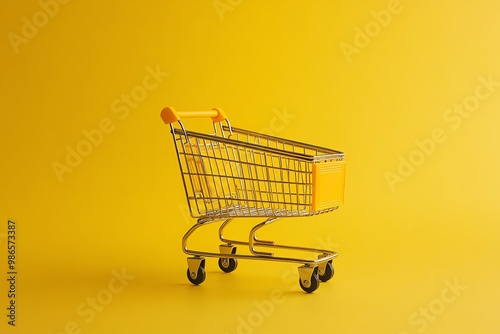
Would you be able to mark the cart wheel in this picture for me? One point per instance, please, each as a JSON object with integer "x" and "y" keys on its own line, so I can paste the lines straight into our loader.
{"x": 200, "y": 276}
{"x": 227, "y": 265}
{"x": 313, "y": 286}
{"x": 329, "y": 272}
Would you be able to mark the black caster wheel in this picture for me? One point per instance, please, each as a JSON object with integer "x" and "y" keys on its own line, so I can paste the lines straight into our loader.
{"x": 313, "y": 284}
{"x": 199, "y": 278}
{"x": 227, "y": 265}
{"x": 329, "y": 272}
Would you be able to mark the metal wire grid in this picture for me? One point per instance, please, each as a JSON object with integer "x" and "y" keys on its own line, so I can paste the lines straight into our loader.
{"x": 249, "y": 174}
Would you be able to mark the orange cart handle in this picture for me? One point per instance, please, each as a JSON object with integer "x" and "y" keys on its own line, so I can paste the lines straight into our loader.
{"x": 170, "y": 115}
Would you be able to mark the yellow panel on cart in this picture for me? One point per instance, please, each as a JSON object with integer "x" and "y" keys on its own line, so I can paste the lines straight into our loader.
{"x": 328, "y": 185}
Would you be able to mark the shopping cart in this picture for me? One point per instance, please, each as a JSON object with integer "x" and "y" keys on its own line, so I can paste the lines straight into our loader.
{"x": 238, "y": 173}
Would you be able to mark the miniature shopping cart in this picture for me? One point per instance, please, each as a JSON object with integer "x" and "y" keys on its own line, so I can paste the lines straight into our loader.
{"x": 238, "y": 173}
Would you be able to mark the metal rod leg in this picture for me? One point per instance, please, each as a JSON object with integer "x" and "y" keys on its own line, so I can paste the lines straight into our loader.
{"x": 253, "y": 238}
{"x": 199, "y": 223}
{"x": 221, "y": 232}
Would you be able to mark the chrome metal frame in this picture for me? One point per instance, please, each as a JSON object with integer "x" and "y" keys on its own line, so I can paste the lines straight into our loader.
{"x": 326, "y": 255}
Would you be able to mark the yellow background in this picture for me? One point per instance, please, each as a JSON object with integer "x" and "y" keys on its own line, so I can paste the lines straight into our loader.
{"x": 123, "y": 208}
